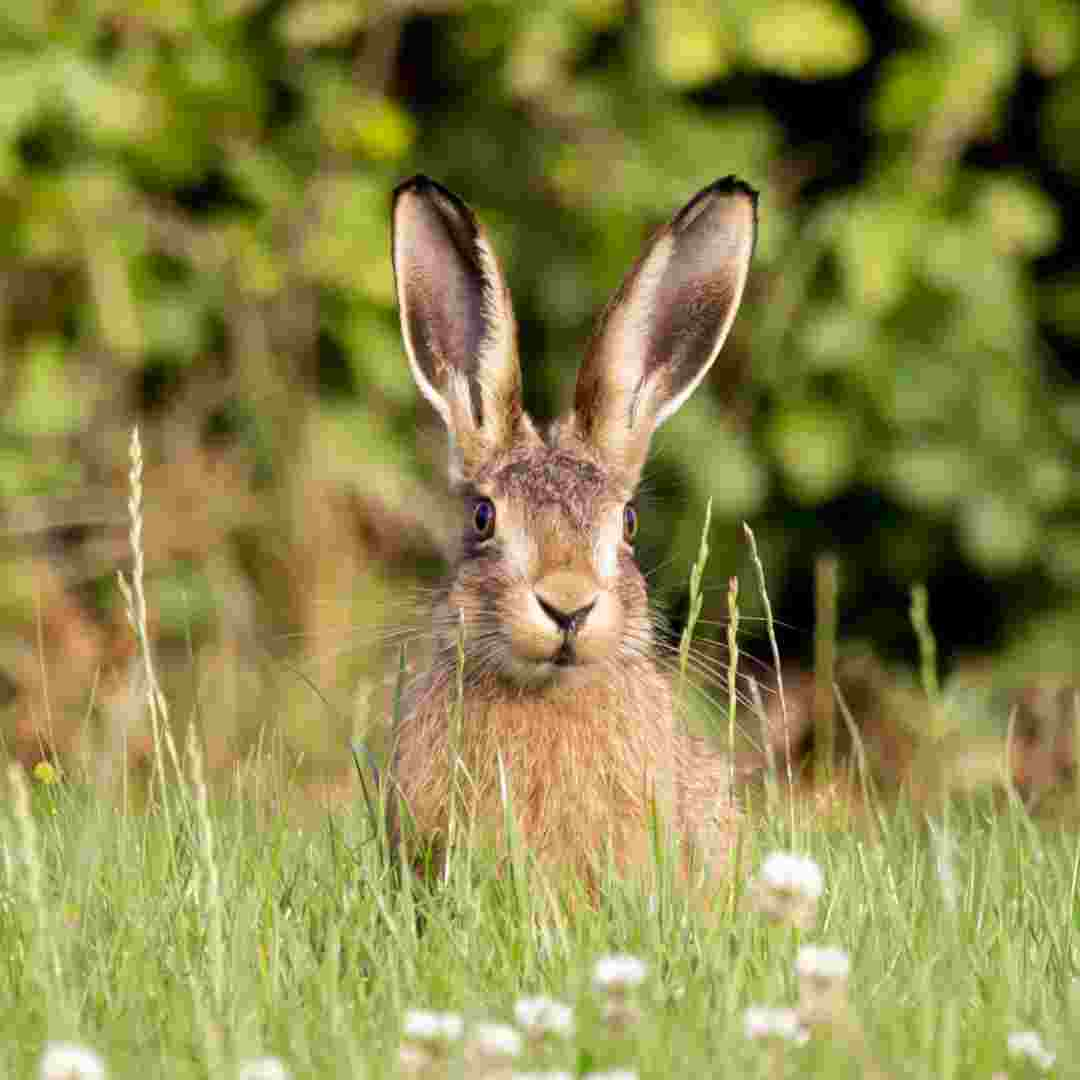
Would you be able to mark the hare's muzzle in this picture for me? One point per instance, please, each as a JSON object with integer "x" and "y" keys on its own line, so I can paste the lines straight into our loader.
{"x": 565, "y": 619}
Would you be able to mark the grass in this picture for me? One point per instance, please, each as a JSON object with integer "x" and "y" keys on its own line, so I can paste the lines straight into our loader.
{"x": 108, "y": 936}
{"x": 212, "y": 926}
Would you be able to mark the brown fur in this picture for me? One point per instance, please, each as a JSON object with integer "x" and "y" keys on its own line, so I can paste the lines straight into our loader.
{"x": 546, "y": 692}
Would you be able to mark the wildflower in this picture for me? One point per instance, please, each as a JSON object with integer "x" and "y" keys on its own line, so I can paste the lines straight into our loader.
{"x": 45, "y": 772}
{"x": 425, "y": 1037}
{"x": 613, "y": 1074}
{"x": 616, "y": 977}
{"x": 787, "y": 889}
{"x": 619, "y": 973}
{"x": 1028, "y": 1046}
{"x": 264, "y": 1068}
{"x": 558, "y": 1074}
{"x": 432, "y": 1029}
{"x": 823, "y": 977}
{"x": 489, "y": 1041}
{"x": 539, "y": 1017}
{"x": 763, "y": 1024}
{"x": 69, "y": 1061}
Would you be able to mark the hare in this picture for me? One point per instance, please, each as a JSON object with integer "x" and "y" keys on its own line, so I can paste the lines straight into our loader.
{"x": 546, "y": 683}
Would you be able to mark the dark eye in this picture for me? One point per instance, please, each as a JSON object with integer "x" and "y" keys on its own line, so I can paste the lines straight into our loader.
{"x": 629, "y": 522}
{"x": 484, "y": 519}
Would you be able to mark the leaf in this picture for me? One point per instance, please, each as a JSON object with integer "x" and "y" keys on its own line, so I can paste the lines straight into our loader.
{"x": 876, "y": 243}
{"x": 45, "y": 402}
{"x": 1060, "y": 304}
{"x": 348, "y": 244}
{"x": 909, "y": 85}
{"x": 931, "y": 478}
{"x": 816, "y": 447}
{"x": 691, "y": 43}
{"x": 807, "y": 39}
{"x": 1059, "y": 130}
{"x": 735, "y": 481}
{"x": 381, "y": 129}
{"x": 1052, "y": 30}
{"x": 1021, "y": 216}
{"x": 306, "y": 24}
{"x": 998, "y": 533}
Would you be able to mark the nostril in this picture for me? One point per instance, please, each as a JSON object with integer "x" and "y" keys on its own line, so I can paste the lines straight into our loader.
{"x": 568, "y": 622}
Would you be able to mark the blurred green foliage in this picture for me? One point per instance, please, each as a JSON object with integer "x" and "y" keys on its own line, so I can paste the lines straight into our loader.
{"x": 193, "y": 228}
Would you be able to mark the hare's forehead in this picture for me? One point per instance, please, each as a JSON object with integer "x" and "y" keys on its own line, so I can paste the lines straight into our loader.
{"x": 555, "y": 480}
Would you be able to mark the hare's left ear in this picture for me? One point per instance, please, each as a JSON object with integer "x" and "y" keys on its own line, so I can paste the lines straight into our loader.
{"x": 457, "y": 322}
{"x": 662, "y": 331}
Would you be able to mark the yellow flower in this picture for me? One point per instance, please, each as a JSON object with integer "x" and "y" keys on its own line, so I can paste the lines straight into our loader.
{"x": 46, "y": 773}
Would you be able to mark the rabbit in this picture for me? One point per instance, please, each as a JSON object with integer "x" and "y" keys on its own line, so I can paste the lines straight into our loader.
{"x": 546, "y": 692}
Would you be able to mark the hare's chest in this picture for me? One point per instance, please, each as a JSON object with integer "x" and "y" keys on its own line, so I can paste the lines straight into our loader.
{"x": 576, "y": 777}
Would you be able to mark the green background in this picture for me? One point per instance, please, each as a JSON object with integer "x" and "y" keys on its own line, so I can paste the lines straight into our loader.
{"x": 193, "y": 237}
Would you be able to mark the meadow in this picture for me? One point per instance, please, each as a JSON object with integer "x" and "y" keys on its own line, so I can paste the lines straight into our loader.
{"x": 185, "y": 940}
{"x": 194, "y": 220}
{"x": 186, "y": 929}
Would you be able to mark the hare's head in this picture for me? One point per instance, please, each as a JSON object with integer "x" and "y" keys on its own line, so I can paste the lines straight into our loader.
{"x": 546, "y": 579}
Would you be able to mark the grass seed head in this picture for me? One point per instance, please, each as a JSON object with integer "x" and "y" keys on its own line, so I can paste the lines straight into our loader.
{"x": 69, "y": 1061}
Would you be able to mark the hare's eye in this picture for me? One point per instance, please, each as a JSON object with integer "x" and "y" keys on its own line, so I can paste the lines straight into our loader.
{"x": 484, "y": 518}
{"x": 629, "y": 522}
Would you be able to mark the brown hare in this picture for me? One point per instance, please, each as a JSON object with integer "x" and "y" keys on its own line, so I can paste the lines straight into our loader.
{"x": 545, "y": 682}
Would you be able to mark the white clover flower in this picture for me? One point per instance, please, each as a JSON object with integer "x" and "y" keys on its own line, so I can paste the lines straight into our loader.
{"x": 432, "y": 1029}
{"x": 493, "y": 1041}
{"x": 1028, "y": 1046}
{"x": 264, "y": 1068}
{"x": 613, "y": 1074}
{"x": 558, "y": 1074}
{"x": 69, "y": 1061}
{"x": 823, "y": 977}
{"x": 788, "y": 888}
{"x": 823, "y": 962}
{"x": 542, "y": 1016}
{"x": 619, "y": 973}
{"x": 762, "y": 1024}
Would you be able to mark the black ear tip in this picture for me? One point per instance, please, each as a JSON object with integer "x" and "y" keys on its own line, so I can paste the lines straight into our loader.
{"x": 726, "y": 187}
{"x": 732, "y": 185}
{"x": 434, "y": 194}
{"x": 418, "y": 184}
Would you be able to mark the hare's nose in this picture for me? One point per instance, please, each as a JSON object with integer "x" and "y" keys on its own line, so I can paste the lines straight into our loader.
{"x": 569, "y": 622}
{"x": 564, "y": 605}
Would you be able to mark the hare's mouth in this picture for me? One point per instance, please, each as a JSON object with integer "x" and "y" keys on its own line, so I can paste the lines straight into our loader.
{"x": 565, "y": 655}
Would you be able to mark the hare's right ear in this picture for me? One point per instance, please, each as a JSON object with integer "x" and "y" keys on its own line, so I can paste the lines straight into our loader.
{"x": 666, "y": 325}
{"x": 457, "y": 321}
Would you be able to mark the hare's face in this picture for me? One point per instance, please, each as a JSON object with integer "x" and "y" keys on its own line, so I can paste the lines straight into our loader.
{"x": 546, "y": 579}
{"x": 546, "y": 583}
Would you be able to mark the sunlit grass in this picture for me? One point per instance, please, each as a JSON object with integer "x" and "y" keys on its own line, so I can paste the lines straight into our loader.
{"x": 233, "y": 931}
{"x": 111, "y": 945}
